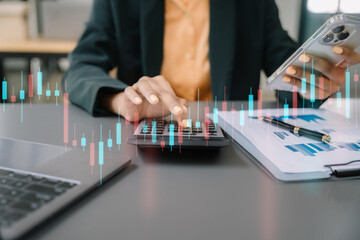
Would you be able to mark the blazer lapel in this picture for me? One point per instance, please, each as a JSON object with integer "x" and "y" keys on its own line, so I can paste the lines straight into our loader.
{"x": 151, "y": 35}
{"x": 222, "y": 45}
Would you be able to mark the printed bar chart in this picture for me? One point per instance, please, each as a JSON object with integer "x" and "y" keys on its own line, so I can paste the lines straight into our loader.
{"x": 311, "y": 149}
{"x": 281, "y": 135}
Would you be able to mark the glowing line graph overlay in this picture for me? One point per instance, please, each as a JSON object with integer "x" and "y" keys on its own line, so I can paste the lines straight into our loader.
{"x": 56, "y": 94}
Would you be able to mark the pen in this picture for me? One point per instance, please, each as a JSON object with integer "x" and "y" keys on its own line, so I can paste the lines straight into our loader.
{"x": 325, "y": 138}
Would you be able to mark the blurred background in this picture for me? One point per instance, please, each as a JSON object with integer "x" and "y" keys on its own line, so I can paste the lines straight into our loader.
{"x": 40, "y": 33}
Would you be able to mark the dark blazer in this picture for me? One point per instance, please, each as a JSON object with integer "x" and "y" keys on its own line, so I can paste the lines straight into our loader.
{"x": 245, "y": 37}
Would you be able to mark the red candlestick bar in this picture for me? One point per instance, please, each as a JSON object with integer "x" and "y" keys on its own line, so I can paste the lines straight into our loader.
{"x": 162, "y": 144}
{"x": 66, "y": 118}
{"x": 321, "y": 88}
{"x": 92, "y": 152}
{"x": 74, "y": 142}
{"x": 136, "y": 120}
{"x": 31, "y": 85}
{"x": 13, "y": 97}
{"x": 295, "y": 100}
{"x": 259, "y": 103}
{"x": 206, "y": 122}
{"x": 180, "y": 136}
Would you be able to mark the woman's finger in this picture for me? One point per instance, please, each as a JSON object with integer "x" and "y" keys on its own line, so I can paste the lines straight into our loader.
{"x": 350, "y": 56}
{"x": 132, "y": 95}
{"x": 336, "y": 73}
{"x": 171, "y": 103}
{"x": 146, "y": 90}
{"x": 320, "y": 82}
{"x": 318, "y": 63}
{"x": 319, "y": 92}
{"x": 184, "y": 105}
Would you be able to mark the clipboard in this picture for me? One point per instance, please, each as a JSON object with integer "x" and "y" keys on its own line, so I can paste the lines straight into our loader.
{"x": 349, "y": 170}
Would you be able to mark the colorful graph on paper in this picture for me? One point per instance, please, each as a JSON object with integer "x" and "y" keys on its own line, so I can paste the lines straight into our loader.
{"x": 312, "y": 149}
{"x": 292, "y": 153}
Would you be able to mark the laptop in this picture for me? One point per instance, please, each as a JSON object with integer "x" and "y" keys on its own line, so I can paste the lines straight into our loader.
{"x": 38, "y": 180}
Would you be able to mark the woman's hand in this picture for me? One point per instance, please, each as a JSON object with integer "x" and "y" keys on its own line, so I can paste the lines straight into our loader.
{"x": 334, "y": 76}
{"x": 150, "y": 98}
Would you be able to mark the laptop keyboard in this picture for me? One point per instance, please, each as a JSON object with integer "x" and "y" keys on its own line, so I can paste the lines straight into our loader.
{"x": 23, "y": 193}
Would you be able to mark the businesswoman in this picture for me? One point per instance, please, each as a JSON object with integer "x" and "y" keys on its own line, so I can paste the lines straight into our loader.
{"x": 165, "y": 50}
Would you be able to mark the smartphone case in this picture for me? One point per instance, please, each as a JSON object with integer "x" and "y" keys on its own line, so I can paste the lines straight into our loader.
{"x": 320, "y": 44}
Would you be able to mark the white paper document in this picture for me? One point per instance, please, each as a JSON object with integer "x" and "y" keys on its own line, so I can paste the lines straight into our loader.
{"x": 291, "y": 153}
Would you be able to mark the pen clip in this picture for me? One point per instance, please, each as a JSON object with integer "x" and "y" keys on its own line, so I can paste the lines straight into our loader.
{"x": 344, "y": 170}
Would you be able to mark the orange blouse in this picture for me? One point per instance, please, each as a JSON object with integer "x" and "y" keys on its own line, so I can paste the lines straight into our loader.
{"x": 186, "y": 48}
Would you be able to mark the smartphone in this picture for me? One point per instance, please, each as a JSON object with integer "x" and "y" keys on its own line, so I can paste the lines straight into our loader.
{"x": 339, "y": 30}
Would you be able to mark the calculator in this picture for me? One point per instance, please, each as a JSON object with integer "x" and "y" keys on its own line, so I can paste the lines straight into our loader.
{"x": 169, "y": 134}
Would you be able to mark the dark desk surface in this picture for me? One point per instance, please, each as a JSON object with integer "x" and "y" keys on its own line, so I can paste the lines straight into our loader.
{"x": 193, "y": 195}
